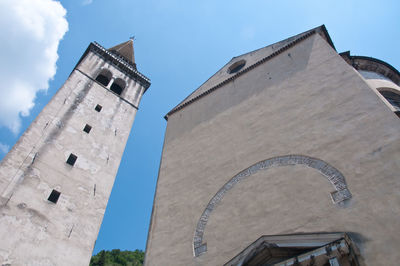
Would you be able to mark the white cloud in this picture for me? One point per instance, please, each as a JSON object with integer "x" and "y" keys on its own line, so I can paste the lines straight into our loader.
{"x": 31, "y": 31}
{"x": 87, "y": 2}
{"x": 4, "y": 148}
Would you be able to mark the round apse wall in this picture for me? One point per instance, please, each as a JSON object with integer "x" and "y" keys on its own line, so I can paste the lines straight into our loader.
{"x": 235, "y": 67}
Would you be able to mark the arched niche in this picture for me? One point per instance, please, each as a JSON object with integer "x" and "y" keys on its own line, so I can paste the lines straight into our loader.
{"x": 334, "y": 176}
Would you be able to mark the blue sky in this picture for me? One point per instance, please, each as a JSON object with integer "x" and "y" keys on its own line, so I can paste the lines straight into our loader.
{"x": 179, "y": 44}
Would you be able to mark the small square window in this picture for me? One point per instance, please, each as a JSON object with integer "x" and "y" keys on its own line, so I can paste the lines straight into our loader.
{"x": 87, "y": 128}
{"x": 98, "y": 108}
{"x": 72, "y": 159}
{"x": 54, "y": 196}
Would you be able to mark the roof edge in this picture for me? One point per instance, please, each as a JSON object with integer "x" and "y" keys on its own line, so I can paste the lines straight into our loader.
{"x": 263, "y": 60}
{"x": 368, "y": 63}
{"x": 320, "y": 30}
{"x": 326, "y": 35}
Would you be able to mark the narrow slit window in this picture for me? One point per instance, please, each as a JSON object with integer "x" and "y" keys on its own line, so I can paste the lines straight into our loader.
{"x": 98, "y": 108}
{"x": 54, "y": 195}
{"x": 72, "y": 159}
{"x": 87, "y": 128}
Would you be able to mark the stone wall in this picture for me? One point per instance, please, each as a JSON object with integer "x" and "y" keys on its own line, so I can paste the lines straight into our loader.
{"x": 306, "y": 101}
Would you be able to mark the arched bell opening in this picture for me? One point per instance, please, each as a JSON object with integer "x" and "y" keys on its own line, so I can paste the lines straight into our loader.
{"x": 118, "y": 86}
{"x": 104, "y": 77}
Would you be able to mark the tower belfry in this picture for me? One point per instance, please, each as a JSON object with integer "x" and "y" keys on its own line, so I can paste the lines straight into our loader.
{"x": 56, "y": 180}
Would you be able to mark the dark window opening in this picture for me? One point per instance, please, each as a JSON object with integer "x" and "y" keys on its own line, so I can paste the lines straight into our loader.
{"x": 236, "y": 66}
{"x": 392, "y": 98}
{"x": 54, "y": 195}
{"x": 87, "y": 128}
{"x": 104, "y": 77}
{"x": 103, "y": 80}
{"x": 98, "y": 108}
{"x": 72, "y": 159}
{"x": 116, "y": 88}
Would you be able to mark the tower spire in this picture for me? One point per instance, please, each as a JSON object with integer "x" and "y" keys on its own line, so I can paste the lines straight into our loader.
{"x": 125, "y": 50}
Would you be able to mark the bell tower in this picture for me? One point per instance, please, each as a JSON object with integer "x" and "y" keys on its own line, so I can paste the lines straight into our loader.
{"x": 56, "y": 180}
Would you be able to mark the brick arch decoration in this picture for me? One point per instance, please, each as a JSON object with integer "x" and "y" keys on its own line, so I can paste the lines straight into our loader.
{"x": 334, "y": 176}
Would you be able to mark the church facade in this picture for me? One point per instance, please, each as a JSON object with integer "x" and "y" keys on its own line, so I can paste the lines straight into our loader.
{"x": 288, "y": 155}
{"x": 56, "y": 180}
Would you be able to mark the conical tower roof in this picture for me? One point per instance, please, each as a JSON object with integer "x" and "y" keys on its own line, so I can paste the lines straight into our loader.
{"x": 125, "y": 50}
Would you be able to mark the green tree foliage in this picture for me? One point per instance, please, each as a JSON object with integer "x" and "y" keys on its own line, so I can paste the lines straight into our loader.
{"x": 117, "y": 257}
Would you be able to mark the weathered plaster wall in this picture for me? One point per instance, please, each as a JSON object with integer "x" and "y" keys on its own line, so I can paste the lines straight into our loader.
{"x": 34, "y": 231}
{"x": 305, "y": 101}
